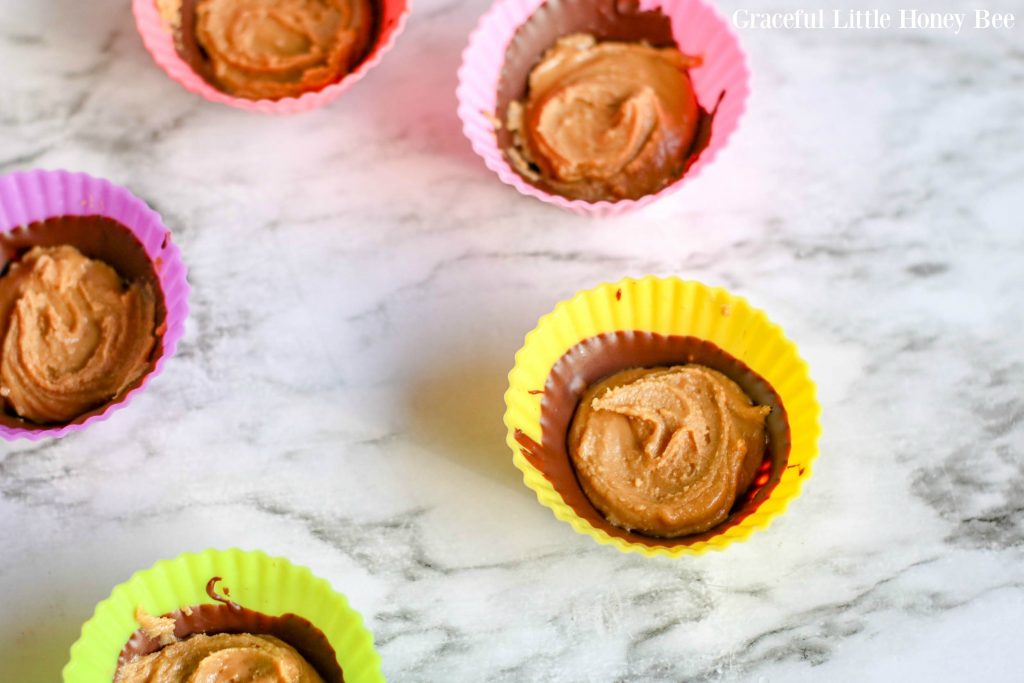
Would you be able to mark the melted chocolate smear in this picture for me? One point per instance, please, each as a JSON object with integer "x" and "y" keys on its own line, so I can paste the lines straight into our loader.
{"x": 97, "y": 237}
{"x": 188, "y": 48}
{"x": 230, "y": 617}
{"x": 618, "y": 20}
{"x": 211, "y": 590}
{"x": 598, "y": 357}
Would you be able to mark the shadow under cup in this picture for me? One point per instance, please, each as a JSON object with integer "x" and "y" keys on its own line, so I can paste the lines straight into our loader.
{"x": 598, "y": 357}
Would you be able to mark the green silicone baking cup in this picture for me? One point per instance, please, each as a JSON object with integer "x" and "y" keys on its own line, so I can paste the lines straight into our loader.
{"x": 271, "y": 585}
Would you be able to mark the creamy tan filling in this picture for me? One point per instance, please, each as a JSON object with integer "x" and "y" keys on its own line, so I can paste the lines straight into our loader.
{"x": 170, "y": 12}
{"x": 278, "y": 48}
{"x": 667, "y": 451}
{"x": 239, "y": 658}
{"x": 605, "y": 120}
{"x": 73, "y": 335}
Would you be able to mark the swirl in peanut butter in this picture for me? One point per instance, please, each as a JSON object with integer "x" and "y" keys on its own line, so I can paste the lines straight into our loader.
{"x": 605, "y": 120}
{"x": 241, "y": 657}
{"x": 74, "y": 336}
{"x": 270, "y": 49}
{"x": 666, "y": 451}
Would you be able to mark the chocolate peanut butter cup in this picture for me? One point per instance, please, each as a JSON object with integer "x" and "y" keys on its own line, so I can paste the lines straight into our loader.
{"x": 650, "y": 135}
{"x": 295, "y": 56}
{"x": 602, "y": 356}
{"x": 306, "y": 644}
{"x": 658, "y": 323}
{"x": 227, "y": 602}
{"x": 93, "y": 299}
{"x": 596, "y": 101}
{"x": 272, "y": 49}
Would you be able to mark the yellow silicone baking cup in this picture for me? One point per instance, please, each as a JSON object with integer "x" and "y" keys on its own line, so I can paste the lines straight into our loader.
{"x": 271, "y": 585}
{"x": 667, "y": 306}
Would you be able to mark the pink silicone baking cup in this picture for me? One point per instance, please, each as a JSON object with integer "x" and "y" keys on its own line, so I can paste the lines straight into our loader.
{"x": 697, "y": 29}
{"x": 37, "y": 195}
{"x": 159, "y": 41}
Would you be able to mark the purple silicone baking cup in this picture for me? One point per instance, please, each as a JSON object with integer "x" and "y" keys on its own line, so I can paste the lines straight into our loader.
{"x": 37, "y": 195}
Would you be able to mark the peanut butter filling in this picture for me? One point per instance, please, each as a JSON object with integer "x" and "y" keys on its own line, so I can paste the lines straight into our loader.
{"x": 241, "y": 658}
{"x": 666, "y": 451}
{"x": 74, "y": 336}
{"x": 609, "y": 120}
{"x": 270, "y": 49}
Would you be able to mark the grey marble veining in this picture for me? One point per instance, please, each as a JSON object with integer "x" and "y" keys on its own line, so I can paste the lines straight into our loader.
{"x": 361, "y": 283}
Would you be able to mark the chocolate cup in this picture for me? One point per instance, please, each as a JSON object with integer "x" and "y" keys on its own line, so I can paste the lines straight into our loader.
{"x": 306, "y": 638}
{"x": 187, "y": 45}
{"x": 598, "y": 357}
{"x": 618, "y": 20}
{"x": 100, "y": 238}
{"x": 189, "y": 49}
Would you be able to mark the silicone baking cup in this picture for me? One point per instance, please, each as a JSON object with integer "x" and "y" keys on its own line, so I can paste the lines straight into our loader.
{"x": 158, "y": 38}
{"x": 271, "y": 585}
{"x": 37, "y": 195}
{"x": 671, "y": 307}
{"x": 721, "y": 83}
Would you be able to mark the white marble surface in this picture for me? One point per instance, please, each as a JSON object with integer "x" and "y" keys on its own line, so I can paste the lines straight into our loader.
{"x": 361, "y": 283}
